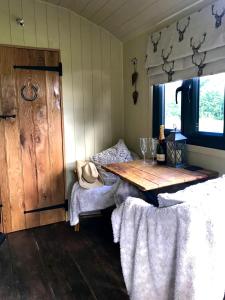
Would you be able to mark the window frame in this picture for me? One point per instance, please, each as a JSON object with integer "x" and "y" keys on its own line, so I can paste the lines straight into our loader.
{"x": 189, "y": 117}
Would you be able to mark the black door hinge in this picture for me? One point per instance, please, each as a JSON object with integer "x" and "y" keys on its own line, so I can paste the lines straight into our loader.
{"x": 42, "y": 68}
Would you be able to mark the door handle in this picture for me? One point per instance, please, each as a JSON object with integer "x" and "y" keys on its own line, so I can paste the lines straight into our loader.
{"x": 178, "y": 90}
{"x": 184, "y": 89}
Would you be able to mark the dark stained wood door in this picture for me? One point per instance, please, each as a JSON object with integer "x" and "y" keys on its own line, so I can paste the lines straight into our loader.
{"x": 31, "y": 148}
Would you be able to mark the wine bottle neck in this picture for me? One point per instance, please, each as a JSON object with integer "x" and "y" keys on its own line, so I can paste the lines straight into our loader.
{"x": 161, "y": 133}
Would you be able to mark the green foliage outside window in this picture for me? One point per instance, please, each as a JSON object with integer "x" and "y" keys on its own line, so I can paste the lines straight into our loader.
{"x": 211, "y": 101}
{"x": 173, "y": 109}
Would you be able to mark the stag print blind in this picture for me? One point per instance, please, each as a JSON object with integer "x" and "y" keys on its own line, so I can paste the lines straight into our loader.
{"x": 191, "y": 47}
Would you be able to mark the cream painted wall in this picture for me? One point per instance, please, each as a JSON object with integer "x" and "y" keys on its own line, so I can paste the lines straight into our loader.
{"x": 138, "y": 118}
{"x": 92, "y": 79}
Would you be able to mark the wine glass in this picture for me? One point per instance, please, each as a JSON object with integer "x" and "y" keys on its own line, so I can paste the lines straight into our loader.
{"x": 153, "y": 146}
{"x": 144, "y": 146}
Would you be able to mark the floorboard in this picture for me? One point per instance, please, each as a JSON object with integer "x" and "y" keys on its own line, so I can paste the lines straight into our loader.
{"x": 8, "y": 289}
{"x": 54, "y": 262}
{"x": 29, "y": 278}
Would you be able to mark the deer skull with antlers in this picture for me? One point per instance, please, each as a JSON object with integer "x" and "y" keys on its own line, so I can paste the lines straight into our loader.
{"x": 218, "y": 17}
{"x": 180, "y": 30}
{"x": 195, "y": 48}
{"x": 168, "y": 68}
{"x": 164, "y": 56}
{"x": 155, "y": 38}
{"x": 198, "y": 60}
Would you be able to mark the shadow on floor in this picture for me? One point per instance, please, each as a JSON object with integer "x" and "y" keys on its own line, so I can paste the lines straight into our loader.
{"x": 54, "y": 262}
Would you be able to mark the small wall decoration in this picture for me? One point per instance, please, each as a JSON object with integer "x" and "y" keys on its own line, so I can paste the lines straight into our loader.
{"x": 134, "y": 80}
{"x": 29, "y": 91}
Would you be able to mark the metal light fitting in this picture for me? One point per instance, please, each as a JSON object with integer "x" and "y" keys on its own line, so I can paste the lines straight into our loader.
{"x": 20, "y": 21}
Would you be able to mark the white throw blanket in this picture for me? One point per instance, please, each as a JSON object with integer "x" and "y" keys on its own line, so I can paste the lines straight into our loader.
{"x": 88, "y": 200}
{"x": 211, "y": 189}
{"x": 172, "y": 253}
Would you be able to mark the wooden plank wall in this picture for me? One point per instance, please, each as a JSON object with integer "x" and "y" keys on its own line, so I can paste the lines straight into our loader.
{"x": 92, "y": 80}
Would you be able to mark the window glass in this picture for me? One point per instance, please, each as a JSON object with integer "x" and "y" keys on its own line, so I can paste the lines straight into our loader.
{"x": 211, "y": 103}
{"x": 172, "y": 110}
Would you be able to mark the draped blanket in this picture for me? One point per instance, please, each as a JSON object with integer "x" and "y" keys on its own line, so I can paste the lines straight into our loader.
{"x": 89, "y": 200}
{"x": 172, "y": 253}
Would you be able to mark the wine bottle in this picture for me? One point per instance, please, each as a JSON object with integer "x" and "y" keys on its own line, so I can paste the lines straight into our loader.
{"x": 161, "y": 147}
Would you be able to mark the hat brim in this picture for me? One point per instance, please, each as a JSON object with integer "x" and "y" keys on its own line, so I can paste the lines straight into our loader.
{"x": 82, "y": 182}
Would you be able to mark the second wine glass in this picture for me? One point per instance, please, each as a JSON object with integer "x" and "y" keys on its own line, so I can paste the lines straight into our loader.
{"x": 144, "y": 142}
{"x": 153, "y": 146}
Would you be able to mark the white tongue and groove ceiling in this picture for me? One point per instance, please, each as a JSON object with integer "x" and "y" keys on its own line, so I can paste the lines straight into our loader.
{"x": 128, "y": 18}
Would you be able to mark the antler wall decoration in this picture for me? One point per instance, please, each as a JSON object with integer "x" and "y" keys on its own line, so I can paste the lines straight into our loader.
{"x": 180, "y": 30}
{"x": 218, "y": 17}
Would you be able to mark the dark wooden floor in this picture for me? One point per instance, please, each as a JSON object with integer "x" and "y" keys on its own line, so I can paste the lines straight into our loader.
{"x": 54, "y": 262}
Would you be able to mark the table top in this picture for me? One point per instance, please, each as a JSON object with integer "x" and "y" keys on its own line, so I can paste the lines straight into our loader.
{"x": 147, "y": 176}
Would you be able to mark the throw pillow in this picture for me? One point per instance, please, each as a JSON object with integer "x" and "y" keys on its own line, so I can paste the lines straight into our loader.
{"x": 117, "y": 153}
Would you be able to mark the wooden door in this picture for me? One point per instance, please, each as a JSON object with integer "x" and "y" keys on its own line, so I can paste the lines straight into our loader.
{"x": 31, "y": 147}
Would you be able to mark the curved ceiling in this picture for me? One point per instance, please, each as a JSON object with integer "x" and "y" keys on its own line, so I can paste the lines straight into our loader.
{"x": 128, "y": 18}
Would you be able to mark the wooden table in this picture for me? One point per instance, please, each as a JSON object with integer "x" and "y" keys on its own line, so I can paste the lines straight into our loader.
{"x": 149, "y": 177}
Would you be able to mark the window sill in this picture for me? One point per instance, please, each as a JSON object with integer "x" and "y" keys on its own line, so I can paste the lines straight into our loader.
{"x": 206, "y": 151}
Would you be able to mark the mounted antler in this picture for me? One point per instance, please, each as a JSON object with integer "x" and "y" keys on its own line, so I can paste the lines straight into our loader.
{"x": 196, "y": 48}
{"x": 156, "y": 41}
{"x": 218, "y": 17}
{"x": 198, "y": 60}
{"x": 168, "y": 68}
{"x": 165, "y": 58}
{"x": 182, "y": 31}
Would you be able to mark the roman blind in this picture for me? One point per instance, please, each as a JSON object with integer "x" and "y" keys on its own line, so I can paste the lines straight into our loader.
{"x": 193, "y": 46}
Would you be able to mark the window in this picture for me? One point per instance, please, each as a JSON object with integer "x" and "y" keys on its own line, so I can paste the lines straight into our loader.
{"x": 211, "y": 103}
{"x": 196, "y": 107}
{"x": 173, "y": 110}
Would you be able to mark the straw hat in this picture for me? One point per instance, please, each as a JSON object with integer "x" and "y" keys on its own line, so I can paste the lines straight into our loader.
{"x": 87, "y": 173}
